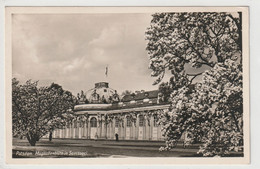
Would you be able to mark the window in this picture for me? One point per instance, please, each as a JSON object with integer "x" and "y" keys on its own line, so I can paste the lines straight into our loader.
{"x": 128, "y": 122}
{"x": 117, "y": 123}
{"x": 93, "y": 122}
{"x": 155, "y": 121}
{"x": 81, "y": 123}
{"x": 141, "y": 121}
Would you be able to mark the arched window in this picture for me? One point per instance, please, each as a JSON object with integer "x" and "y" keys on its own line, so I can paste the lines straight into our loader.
{"x": 93, "y": 122}
{"x": 128, "y": 122}
{"x": 155, "y": 121}
{"x": 117, "y": 123}
{"x": 141, "y": 121}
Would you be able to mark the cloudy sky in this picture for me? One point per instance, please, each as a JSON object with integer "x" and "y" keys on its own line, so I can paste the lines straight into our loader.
{"x": 73, "y": 50}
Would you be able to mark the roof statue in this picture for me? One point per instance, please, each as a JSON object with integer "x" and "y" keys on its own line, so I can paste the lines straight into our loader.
{"x": 100, "y": 94}
{"x": 81, "y": 98}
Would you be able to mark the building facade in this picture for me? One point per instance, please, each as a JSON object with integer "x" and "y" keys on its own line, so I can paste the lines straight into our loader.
{"x": 101, "y": 113}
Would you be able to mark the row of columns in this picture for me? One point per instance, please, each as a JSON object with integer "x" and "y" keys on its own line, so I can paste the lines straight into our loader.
{"x": 83, "y": 129}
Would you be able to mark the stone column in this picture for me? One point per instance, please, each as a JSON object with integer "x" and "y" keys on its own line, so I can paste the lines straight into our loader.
{"x": 137, "y": 127}
{"x": 147, "y": 129}
{"x": 119, "y": 131}
{"x": 159, "y": 132}
{"x": 66, "y": 131}
{"x": 108, "y": 131}
{"x": 80, "y": 128}
{"x": 151, "y": 128}
{"x": 100, "y": 129}
{"x": 113, "y": 128}
{"x": 61, "y": 132}
{"x": 53, "y": 133}
{"x": 71, "y": 130}
{"x": 89, "y": 130}
{"x": 83, "y": 129}
{"x": 124, "y": 130}
{"x": 77, "y": 129}
{"x": 134, "y": 130}
{"x": 56, "y": 133}
{"x": 86, "y": 128}
{"x": 103, "y": 130}
{"x": 74, "y": 129}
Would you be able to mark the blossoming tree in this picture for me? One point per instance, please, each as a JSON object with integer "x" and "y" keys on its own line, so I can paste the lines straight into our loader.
{"x": 209, "y": 111}
{"x": 37, "y": 110}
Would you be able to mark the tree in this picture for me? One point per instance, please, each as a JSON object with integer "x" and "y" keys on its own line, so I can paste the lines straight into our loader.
{"x": 198, "y": 39}
{"x": 209, "y": 111}
{"x": 37, "y": 110}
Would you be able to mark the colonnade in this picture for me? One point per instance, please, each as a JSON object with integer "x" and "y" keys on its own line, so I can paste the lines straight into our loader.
{"x": 91, "y": 127}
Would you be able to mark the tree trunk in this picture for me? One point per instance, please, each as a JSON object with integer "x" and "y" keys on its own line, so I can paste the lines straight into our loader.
{"x": 32, "y": 138}
{"x": 33, "y": 142}
{"x": 37, "y": 138}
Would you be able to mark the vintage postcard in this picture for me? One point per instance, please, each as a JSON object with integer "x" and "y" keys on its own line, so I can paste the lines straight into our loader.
{"x": 127, "y": 85}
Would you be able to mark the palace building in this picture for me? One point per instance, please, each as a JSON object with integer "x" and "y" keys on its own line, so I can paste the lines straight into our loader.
{"x": 101, "y": 114}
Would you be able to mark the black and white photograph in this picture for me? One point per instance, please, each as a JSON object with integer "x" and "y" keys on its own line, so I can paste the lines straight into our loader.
{"x": 121, "y": 83}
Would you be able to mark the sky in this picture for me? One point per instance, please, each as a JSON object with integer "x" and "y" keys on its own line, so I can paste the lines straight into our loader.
{"x": 73, "y": 50}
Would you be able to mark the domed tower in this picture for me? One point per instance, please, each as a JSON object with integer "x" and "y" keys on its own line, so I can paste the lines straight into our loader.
{"x": 102, "y": 94}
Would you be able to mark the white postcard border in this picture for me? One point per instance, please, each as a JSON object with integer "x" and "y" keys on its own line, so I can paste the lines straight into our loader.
{"x": 132, "y": 161}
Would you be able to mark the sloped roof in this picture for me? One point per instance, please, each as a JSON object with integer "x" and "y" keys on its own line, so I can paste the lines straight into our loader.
{"x": 140, "y": 96}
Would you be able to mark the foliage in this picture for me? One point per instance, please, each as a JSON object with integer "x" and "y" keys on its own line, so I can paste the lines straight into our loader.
{"x": 209, "y": 111}
{"x": 165, "y": 89}
{"x": 198, "y": 39}
{"x": 37, "y": 110}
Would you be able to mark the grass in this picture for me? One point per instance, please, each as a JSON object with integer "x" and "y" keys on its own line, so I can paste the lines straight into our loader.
{"x": 80, "y": 148}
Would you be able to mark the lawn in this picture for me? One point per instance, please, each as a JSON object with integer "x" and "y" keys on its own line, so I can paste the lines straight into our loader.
{"x": 81, "y": 148}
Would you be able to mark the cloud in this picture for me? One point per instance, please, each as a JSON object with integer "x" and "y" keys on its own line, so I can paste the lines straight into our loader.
{"x": 73, "y": 50}
{"x": 98, "y": 55}
{"x": 109, "y": 37}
